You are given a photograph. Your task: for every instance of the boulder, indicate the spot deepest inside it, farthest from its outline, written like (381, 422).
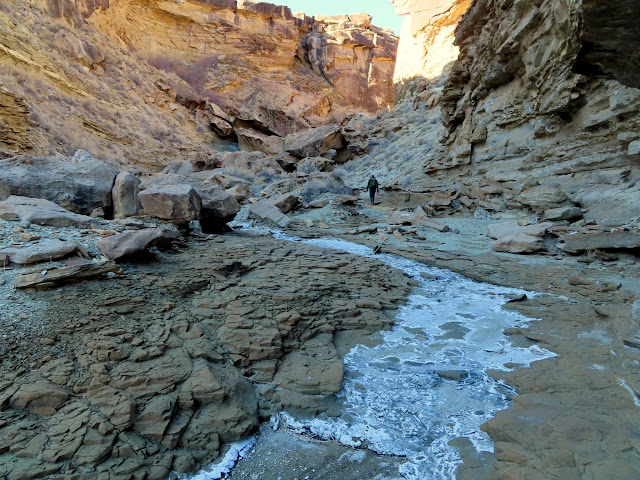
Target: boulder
(134, 242)
(42, 212)
(314, 141)
(563, 213)
(125, 195)
(265, 211)
(182, 198)
(45, 250)
(518, 242)
(178, 202)
(80, 184)
(253, 140)
(218, 206)
(500, 230)
(40, 397)
(286, 202)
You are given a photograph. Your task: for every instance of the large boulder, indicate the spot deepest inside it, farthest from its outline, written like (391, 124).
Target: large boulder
(178, 202)
(218, 206)
(42, 212)
(80, 184)
(135, 242)
(315, 141)
(182, 198)
(125, 195)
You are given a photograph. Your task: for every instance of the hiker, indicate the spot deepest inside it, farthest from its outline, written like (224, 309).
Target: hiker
(373, 188)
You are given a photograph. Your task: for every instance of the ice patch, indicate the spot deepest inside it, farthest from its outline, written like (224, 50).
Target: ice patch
(599, 334)
(397, 397)
(217, 470)
(354, 456)
(634, 394)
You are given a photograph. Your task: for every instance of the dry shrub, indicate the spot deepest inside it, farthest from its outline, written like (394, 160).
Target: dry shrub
(318, 186)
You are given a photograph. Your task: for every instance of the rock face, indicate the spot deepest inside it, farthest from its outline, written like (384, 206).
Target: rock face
(80, 184)
(551, 134)
(521, 129)
(251, 38)
(427, 39)
(357, 58)
(155, 372)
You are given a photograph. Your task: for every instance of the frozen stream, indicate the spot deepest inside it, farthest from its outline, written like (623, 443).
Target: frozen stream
(400, 397)
(427, 382)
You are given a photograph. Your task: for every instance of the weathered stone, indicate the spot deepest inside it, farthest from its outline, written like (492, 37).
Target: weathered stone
(125, 195)
(314, 142)
(518, 242)
(118, 406)
(45, 250)
(511, 227)
(266, 212)
(152, 377)
(563, 213)
(286, 202)
(40, 397)
(55, 275)
(601, 241)
(155, 417)
(80, 184)
(252, 140)
(42, 212)
(315, 370)
(635, 311)
(178, 202)
(135, 242)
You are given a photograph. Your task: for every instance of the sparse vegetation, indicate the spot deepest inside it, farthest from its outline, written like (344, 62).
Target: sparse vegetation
(316, 187)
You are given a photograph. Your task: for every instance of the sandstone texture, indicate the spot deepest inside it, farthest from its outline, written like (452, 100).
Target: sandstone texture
(181, 357)
(141, 84)
(513, 122)
(135, 242)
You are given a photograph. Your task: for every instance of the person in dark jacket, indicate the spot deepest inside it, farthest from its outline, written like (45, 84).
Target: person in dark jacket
(372, 186)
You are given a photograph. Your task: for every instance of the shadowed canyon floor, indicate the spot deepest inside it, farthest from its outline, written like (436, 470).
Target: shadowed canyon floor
(155, 370)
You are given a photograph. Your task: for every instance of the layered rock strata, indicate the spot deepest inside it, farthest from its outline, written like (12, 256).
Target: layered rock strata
(152, 373)
(512, 125)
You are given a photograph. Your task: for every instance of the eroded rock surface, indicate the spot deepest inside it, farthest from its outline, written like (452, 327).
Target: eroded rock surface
(155, 371)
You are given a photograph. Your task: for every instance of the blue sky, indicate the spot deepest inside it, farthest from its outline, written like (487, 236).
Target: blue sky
(381, 10)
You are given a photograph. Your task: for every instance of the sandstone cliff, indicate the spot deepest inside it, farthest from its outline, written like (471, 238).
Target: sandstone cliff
(538, 109)
(146, 81)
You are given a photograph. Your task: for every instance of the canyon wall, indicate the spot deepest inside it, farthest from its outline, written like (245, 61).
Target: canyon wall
(538, 110)
(253, 58)
(147, 81)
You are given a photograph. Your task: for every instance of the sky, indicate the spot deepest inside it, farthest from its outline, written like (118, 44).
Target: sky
(381, 10)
